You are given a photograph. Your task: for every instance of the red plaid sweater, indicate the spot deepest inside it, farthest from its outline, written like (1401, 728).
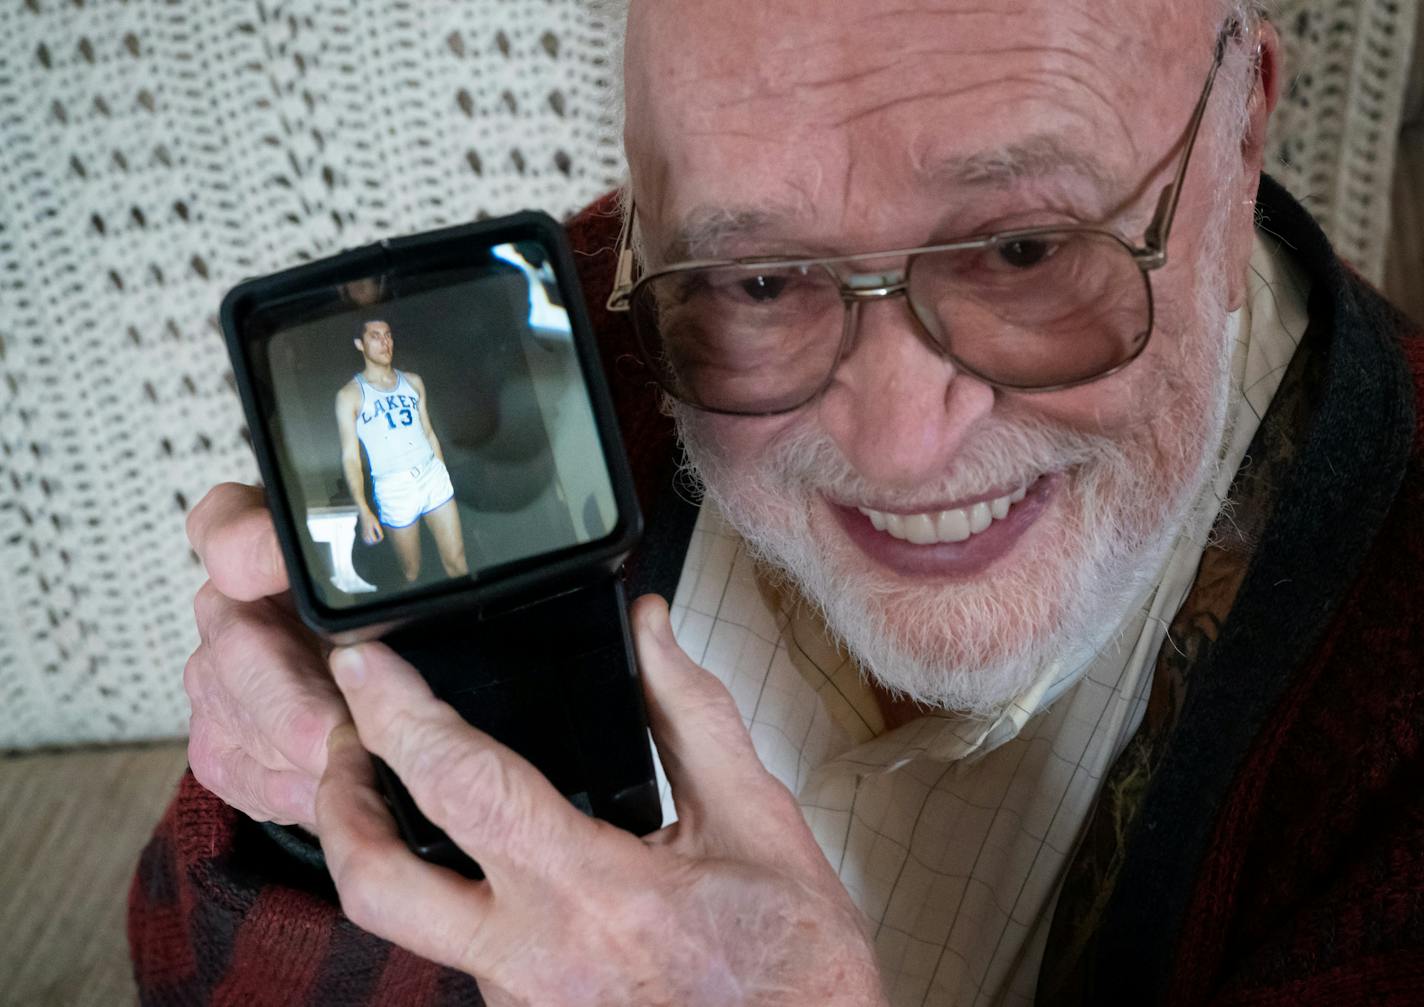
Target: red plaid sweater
(1278, 854)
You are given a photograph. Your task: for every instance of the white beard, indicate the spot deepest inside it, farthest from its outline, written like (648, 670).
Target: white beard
(972, 646)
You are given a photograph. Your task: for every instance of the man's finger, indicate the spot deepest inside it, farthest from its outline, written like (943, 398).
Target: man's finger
(496, 806)
(704, 746)
(263, 794)
(692, 714)
(232, 532)
(197, 676)
(385, 888)
(275, 678)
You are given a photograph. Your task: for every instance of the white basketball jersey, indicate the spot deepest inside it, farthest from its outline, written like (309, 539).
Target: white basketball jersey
(390, 429)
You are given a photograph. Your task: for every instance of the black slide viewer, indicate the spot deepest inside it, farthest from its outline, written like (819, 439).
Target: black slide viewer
(444, 471)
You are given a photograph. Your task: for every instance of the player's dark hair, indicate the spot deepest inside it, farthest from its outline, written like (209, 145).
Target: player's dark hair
(373, 321)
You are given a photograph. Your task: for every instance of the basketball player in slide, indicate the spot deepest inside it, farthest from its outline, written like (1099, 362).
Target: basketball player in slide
(383, 410)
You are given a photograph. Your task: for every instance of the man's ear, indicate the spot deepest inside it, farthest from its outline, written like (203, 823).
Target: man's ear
(1265, 92)
(359, 345)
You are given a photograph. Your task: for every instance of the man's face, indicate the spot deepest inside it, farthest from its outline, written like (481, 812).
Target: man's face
(831, 128)
(376, 344)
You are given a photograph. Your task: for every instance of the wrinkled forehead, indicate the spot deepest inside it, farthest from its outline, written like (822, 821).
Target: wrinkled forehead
(833, 114)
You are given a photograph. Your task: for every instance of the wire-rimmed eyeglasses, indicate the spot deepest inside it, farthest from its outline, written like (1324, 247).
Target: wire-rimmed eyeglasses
(1037, 309)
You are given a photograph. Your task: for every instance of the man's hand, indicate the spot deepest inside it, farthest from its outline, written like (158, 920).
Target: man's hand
(370, 526)
(733, 904)
(263, 701)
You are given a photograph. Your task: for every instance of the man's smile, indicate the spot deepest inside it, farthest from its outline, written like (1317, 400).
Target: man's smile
(956, 541)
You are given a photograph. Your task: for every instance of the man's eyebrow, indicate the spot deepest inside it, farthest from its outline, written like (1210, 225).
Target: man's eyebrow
(1038, 156)
(707, 231)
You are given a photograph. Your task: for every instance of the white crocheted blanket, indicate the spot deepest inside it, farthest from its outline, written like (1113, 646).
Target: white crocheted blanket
(155, 153)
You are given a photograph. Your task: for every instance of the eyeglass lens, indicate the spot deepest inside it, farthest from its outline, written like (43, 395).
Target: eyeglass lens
(1028, 311)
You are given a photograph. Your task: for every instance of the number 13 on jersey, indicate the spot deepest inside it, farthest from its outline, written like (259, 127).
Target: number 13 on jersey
(407, 418)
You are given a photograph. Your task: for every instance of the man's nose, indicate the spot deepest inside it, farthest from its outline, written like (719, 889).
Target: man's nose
(897, 406)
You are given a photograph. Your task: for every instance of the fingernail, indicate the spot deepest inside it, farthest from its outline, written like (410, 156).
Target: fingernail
(341, 736)
(348, 664)
(665, 632)
(662, 629)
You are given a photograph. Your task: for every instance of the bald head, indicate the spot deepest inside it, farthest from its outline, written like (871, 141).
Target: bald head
(813, 118)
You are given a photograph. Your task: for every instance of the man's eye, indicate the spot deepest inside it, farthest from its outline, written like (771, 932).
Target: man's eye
(1026, 252)
(763, 288)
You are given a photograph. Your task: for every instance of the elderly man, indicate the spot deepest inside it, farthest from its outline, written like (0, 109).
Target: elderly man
(1076, 660)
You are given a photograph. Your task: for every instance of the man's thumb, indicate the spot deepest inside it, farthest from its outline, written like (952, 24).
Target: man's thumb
(702, 741)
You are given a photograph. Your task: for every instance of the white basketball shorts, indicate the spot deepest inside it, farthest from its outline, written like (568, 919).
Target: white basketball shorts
(403, 498)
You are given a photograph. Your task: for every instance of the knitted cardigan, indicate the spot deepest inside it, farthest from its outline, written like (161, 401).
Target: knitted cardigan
(1278, 854)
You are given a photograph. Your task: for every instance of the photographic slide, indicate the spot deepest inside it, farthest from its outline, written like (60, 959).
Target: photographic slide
(435, 426)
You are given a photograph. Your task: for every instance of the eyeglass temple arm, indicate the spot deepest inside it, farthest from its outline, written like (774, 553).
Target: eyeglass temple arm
(1155, 242)
(623, 277)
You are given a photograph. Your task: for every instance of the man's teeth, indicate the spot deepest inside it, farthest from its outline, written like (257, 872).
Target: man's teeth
(946, 525)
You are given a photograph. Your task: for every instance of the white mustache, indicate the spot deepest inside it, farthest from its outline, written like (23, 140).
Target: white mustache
(1001, 453)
